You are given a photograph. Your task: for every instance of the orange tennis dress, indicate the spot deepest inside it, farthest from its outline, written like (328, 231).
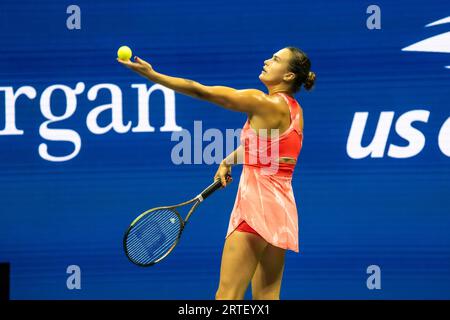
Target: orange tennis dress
(265, 199)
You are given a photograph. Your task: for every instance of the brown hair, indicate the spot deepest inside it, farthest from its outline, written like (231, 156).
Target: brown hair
(300, 65)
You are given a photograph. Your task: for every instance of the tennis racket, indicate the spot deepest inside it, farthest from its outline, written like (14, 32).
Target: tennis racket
(156, 232)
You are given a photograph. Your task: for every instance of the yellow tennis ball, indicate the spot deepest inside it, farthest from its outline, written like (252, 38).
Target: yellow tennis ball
(124, 53)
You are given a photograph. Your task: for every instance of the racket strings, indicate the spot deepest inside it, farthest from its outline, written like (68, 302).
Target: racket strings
(152, 236)
(151, 232)
(156, 246)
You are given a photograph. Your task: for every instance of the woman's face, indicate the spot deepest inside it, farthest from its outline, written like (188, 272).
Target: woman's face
(275, 68)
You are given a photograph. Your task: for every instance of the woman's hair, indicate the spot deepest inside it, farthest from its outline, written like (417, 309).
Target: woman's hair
(300, 65)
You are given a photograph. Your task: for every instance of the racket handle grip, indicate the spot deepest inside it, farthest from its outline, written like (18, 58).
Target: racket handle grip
(212, 188)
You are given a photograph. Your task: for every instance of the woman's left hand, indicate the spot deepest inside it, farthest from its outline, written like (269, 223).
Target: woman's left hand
(139, 66)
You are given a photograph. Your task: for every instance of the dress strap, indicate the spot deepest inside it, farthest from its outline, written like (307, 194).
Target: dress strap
(294, 112)
(288, 101)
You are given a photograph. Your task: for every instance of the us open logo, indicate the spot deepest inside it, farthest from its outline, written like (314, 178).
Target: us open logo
(439, 43)
(380, 147)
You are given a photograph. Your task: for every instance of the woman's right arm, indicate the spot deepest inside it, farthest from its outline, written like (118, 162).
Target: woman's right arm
(232, 159)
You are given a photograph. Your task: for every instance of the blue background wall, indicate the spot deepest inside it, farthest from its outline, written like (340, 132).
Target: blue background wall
(394, 213)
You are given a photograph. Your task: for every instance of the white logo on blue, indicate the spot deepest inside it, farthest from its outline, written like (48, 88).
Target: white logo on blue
(439, 43)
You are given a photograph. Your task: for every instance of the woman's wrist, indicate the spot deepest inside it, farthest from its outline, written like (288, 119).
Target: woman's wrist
(152, 75)
(226, 163)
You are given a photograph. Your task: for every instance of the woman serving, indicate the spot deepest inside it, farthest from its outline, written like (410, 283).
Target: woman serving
(264, 213)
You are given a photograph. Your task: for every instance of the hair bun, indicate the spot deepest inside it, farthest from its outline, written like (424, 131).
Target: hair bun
(309, 82)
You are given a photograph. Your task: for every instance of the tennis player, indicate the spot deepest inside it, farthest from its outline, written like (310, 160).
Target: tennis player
(264, 220)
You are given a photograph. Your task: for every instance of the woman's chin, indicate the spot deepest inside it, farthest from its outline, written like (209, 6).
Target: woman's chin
(262, 78)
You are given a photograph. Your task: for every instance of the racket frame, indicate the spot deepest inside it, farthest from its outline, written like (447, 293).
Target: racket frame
(198, 199)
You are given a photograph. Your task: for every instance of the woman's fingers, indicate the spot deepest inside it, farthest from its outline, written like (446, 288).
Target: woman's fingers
(224, 182)
(138, 60)
(221, 177)
(121, 61)
(127, 63)
(224, 175)
(144, 64)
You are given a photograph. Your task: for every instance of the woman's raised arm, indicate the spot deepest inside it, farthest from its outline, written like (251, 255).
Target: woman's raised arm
(251, 101)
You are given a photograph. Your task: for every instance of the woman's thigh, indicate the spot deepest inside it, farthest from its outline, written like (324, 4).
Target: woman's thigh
(266, 282)
(241, 254)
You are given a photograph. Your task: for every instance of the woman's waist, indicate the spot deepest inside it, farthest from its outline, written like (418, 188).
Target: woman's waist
(272, 169)
(270, 157)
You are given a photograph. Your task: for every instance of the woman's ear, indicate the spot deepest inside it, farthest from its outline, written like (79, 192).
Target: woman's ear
(289, 76)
